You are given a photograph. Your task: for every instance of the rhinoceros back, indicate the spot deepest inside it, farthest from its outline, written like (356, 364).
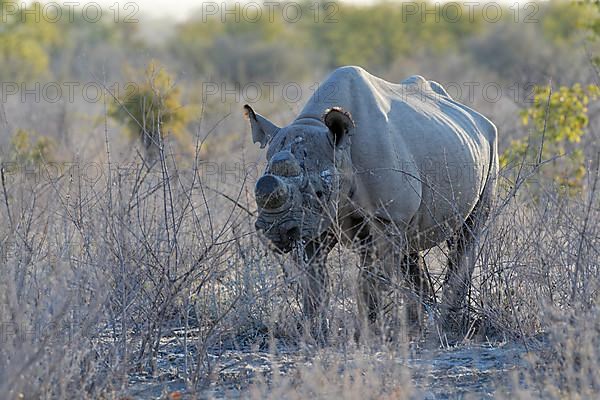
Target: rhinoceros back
(421, 159)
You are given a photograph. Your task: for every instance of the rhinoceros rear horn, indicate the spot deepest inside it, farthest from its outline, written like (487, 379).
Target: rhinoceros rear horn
(270, 192)
(339, 123)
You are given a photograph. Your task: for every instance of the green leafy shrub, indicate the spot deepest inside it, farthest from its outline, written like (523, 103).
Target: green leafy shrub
(30, 147)
(152, 108)
(558, 121)
(26, 41)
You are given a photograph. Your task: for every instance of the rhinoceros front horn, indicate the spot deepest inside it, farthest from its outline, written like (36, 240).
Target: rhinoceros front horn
(271, 192)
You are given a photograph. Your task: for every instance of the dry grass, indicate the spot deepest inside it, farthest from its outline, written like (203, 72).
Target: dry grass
(96, 275)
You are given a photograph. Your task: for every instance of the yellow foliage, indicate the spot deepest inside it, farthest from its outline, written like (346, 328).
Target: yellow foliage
(25, 41)
(153, 108)
(558, 121)
(30, 147)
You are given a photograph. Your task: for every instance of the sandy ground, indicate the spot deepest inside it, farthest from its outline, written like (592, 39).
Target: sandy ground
(465, 371)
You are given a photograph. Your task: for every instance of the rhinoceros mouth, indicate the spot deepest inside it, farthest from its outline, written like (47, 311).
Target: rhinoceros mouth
(284, 234)
(283, 248)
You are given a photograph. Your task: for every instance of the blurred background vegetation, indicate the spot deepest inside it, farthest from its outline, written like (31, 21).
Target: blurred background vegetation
(194, 75)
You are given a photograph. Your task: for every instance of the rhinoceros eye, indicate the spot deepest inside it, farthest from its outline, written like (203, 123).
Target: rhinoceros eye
(320, 189)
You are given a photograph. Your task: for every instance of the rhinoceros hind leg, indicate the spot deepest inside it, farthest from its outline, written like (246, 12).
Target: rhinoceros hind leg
(462, 254)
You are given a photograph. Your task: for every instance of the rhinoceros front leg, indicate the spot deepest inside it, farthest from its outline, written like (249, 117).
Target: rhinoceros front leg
(421, 291)
(381, 261)
(371, 280)
(377, 278)
(315, 285)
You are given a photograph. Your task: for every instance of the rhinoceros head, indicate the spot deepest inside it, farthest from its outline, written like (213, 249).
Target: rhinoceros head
(308, 162)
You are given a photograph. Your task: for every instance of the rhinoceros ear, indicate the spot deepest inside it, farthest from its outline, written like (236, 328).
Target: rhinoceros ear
(339, 123)
(262, 129)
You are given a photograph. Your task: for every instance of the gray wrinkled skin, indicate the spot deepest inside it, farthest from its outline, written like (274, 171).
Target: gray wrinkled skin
(314, 191)
(389, 169)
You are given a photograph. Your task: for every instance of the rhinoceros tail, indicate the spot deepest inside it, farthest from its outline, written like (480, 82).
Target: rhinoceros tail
(491, 183)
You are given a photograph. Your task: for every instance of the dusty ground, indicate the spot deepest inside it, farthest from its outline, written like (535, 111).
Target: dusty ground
(466, 371)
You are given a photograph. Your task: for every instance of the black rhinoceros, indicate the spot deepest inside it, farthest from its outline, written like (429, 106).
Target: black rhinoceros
(392, 169)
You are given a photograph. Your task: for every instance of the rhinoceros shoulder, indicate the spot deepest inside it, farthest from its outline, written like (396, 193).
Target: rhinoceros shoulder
(345, 78)
(350, 70)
